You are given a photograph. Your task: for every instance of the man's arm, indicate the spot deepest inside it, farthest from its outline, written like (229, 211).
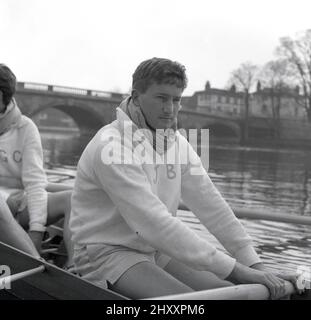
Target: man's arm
(35, 181)
(205, 201)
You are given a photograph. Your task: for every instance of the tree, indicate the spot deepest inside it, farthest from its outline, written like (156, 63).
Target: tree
(274, 77)
(244, 78)
(297, 53)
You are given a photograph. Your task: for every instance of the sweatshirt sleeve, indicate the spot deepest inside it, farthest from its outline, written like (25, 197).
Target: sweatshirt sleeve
(34, 178)
(205, 201)
(128, 187)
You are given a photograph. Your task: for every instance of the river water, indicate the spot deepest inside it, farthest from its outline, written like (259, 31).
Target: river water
(264, 179)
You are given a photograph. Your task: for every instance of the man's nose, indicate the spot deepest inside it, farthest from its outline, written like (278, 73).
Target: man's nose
(168, 107)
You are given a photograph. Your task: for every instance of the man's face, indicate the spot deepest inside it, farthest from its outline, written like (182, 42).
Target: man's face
(2, 106)
(160, 104)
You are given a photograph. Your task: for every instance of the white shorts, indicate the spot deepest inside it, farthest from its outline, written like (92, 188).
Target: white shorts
(102, 264)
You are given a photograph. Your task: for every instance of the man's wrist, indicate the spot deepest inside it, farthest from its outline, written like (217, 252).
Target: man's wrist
(37, 227)
(36, 234)
(259, 266)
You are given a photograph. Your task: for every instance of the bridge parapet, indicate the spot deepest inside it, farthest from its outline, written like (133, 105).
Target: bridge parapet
(41, 87)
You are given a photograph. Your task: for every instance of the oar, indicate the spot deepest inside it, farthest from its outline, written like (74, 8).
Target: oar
(239, 292)
(273, 216)
(56, 187)
(260, 215)
(59, 173)
(21, 275)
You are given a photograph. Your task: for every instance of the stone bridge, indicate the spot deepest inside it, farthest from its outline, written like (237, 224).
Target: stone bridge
(219, 126)
(90, 109)
(230, 127)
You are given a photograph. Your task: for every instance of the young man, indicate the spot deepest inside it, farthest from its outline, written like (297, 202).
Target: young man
(12, 233)
(123, 220)
(22, 177)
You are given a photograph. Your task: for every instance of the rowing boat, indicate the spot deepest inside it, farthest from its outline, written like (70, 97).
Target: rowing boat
(34, 279)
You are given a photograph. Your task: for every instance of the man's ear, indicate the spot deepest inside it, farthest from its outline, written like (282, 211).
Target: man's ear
(135, 97)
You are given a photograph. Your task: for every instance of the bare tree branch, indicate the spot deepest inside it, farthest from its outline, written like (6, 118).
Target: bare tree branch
(244, 78)
(297, 52)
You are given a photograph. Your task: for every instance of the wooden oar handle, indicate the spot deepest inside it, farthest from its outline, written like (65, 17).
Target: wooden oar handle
(239, 292)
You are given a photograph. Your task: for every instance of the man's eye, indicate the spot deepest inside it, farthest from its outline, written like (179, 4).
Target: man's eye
(176, 100)
(163, 99)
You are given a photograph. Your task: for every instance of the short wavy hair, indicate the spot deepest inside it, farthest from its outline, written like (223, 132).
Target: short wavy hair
(159, 71)
(7, 83)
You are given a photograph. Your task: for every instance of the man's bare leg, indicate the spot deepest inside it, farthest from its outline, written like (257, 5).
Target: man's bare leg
(147, 280)
(12, 233)
(197, 280)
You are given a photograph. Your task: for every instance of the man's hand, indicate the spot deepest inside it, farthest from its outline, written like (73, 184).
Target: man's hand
(259, 266)
(243, 274)
(285, 275)
(36, 237)
(291, 277)
(14, 201)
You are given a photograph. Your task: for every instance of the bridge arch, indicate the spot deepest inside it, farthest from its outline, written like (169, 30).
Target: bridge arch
(88, 120)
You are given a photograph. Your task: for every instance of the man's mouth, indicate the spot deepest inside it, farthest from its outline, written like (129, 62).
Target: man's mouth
(167, 118)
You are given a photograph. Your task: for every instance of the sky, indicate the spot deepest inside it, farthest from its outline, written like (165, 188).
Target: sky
(97, 44)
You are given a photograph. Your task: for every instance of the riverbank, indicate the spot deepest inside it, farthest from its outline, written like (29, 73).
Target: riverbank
(262, 144)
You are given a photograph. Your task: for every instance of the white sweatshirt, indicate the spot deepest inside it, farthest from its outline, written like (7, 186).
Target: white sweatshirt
(21, 169)
(135, 205)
